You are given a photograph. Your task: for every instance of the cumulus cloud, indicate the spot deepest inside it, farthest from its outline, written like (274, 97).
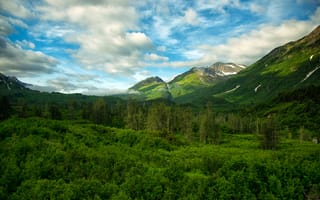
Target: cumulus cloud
(247, 48)
(18, 62)
(17, 8)
(191, 17)
(244, 48)
(141, 75)
(155, 58)
(107, 33)
(26, 44)
(5, 27)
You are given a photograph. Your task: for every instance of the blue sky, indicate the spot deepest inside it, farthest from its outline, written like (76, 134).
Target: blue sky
(105, 46)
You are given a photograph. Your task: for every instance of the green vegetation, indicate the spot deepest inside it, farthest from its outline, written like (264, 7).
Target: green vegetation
(150, 89)
(49, 159)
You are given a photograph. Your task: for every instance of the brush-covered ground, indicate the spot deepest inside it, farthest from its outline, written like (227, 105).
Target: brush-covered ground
(49, 159)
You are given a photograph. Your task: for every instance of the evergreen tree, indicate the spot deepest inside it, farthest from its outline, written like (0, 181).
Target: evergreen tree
(209, 131)
(186, 123)
(55, 112)
(133, 116)
(86, 110)
(72, 108)
(5, 108)
(159, 118)
(100, 114)
(268, 133)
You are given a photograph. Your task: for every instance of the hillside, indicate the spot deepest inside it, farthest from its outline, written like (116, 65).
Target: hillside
(291, 66)
(151, 88)
(178, 89)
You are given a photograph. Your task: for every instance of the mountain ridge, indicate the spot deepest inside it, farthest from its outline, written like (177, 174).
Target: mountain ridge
(185, 83)
(12, 82)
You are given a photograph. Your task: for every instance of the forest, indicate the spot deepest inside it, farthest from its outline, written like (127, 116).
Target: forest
(110, 148)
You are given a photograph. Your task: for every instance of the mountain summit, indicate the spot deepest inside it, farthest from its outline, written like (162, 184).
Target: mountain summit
(151, 88)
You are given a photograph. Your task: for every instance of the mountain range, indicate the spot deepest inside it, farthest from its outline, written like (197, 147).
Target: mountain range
(186, 83)
(291, 66)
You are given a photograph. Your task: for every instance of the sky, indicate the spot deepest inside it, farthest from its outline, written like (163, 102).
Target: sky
(102, 47)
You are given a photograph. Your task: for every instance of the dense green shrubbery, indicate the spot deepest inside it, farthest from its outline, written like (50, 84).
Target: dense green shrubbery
(48, 159)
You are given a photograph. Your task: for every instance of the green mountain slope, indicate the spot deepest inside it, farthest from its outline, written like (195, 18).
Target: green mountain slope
(291, 66)
(190, 82)
(197, 80)
(151, 88)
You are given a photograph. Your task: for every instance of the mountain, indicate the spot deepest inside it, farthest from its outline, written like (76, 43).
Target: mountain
(199, 78)
(289, 67)
(8, 83)
(286, 68)
(186, 83)
(151, 88)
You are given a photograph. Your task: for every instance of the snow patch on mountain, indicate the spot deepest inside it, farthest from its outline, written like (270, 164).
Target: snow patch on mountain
(242, 66)
(309, 74)
(233, 89)
(228, 73)
(228, 65)
(256, 89)
(311, 57)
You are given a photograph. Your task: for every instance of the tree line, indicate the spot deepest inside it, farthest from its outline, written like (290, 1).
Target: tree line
(162, 117)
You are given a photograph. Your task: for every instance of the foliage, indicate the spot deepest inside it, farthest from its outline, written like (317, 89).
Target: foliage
(54, 159)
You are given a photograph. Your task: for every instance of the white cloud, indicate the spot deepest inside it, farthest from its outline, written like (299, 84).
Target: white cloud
(18, 62)
(16, 7)
(107, 33)
(249, 47)
(141, 75)
(5, 27)
(26, 44)
(217, 5)
(193, 54)
(257, 8)
(162, 48)
(6, 24)
(191, 17)
(155, 58)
